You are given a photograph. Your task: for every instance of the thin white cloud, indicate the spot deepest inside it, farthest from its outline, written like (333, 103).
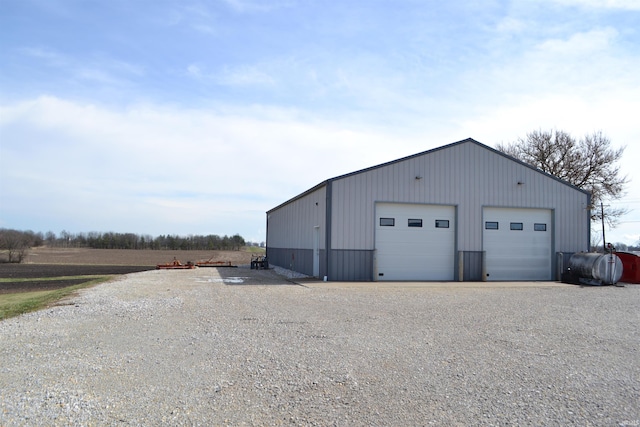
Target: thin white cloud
(601, 4)
(200, 17)
(42, 53)
(237, 76)
(193, 70)
(96, 68)
(244, 76)
(248, 6)
(583, 43)
(205, 29)
(580, 64)
(182, 13)
(96, 75)
(197, 9)
(510, 25)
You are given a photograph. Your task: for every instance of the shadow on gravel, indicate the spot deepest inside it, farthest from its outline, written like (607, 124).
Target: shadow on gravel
(244, 276)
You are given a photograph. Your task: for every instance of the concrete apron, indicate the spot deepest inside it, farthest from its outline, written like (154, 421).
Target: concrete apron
(430, 285)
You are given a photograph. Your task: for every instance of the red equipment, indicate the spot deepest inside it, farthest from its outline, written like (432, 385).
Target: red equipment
(630, 267)
(175, 265)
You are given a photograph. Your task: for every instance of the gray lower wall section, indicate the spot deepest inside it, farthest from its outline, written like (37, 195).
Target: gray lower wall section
(351, 265)
(471, 266)
(357, 265)
(300, 260)
(345, 265)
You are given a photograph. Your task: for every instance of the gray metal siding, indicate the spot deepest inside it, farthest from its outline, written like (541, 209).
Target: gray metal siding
(467, 175)
(472, 262)
(345, 265)
(292, 225)
(300, 260)
(351, 265)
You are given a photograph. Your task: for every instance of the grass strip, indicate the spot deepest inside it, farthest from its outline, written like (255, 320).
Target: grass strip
(44, 279)
(256, 250)
(12, 305)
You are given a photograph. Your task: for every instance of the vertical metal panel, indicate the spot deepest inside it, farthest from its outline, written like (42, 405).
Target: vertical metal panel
(467, 175)
(351, 266)
(300, 260)
(292, 225)
(471, 266)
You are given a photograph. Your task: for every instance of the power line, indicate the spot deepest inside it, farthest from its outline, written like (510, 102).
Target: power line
(624, 202)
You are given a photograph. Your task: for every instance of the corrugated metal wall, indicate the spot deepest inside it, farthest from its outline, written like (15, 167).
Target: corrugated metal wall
(467, 175)
(291, 232)
(351, 265)
(300, 260)
(472, 266)
(292, 225)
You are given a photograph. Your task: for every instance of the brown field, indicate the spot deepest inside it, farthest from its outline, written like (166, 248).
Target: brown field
(83, 256)
(61, 266)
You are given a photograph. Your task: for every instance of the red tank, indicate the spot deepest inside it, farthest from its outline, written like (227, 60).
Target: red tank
(630, 267)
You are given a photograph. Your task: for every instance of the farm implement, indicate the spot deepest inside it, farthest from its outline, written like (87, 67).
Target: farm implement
(211, 263)
(175, 265)
(259, 262)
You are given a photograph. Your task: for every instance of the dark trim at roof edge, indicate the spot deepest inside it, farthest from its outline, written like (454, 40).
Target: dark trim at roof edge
(311, 190)
(300, 196)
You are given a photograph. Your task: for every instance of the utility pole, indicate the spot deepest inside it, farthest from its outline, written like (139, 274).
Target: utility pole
(604, 240)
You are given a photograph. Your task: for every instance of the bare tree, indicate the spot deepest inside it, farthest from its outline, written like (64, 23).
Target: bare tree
(15, 243)
(589, 163)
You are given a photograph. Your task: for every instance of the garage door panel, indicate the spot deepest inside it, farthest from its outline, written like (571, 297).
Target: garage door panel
(415, 253)
(518, 254)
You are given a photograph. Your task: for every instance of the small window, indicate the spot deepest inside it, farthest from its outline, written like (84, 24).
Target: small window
(387, 222)
(442, 223)
(415, 223)
(540, 227)
(516, 226)
(491, 225)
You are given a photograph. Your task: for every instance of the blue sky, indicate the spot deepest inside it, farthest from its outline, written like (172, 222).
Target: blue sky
(182, 117)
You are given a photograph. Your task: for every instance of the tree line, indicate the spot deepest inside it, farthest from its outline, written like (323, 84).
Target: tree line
(15, 243)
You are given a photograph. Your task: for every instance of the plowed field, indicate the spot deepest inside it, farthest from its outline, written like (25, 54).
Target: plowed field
(60, 267)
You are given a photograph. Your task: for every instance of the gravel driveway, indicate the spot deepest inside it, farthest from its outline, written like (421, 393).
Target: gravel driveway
(243, 347)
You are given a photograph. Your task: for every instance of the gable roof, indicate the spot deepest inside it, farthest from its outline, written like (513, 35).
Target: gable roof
(444, 147)
(433, 150)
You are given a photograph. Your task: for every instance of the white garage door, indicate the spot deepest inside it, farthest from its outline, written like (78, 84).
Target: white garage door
(415, 242)
(517, 243)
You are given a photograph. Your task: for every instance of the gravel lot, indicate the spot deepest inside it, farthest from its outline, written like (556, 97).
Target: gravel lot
(243, 347)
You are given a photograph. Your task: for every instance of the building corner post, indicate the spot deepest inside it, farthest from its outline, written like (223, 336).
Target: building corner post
(327, 231)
